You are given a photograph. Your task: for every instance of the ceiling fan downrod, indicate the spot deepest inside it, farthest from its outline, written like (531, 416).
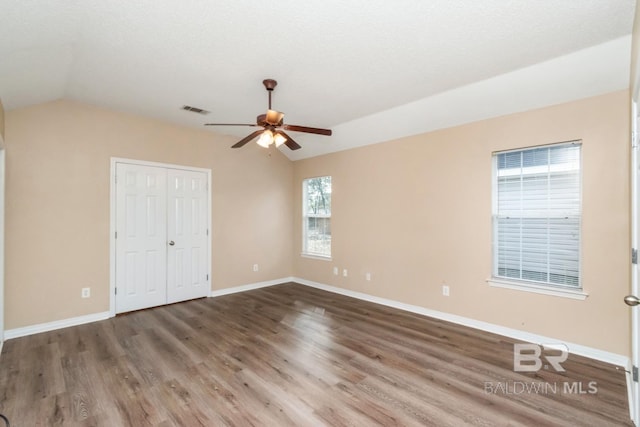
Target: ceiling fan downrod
(269, 84)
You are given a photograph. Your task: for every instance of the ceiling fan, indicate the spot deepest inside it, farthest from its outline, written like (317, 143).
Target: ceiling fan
(273, 128)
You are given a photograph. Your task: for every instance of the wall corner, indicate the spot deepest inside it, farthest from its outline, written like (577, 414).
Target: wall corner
(1, 125)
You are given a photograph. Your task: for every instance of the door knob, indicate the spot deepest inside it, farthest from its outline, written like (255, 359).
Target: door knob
(631, 300)
(171, 243)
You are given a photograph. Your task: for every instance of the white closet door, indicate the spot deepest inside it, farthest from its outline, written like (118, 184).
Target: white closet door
(141, 242)
(187, 230)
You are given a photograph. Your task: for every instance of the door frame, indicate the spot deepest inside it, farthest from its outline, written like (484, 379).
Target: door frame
(2, 251)
(634, 361)
(112, 219)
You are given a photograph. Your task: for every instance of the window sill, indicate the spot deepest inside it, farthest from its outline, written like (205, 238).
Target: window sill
(312, 256)
(538, 289)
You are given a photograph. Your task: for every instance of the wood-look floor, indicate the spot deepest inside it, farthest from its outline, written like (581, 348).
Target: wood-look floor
(290, 355)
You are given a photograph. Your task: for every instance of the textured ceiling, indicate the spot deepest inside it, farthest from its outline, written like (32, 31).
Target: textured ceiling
(371, 70)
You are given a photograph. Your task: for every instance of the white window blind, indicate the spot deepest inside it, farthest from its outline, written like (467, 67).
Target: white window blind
(316, 212)
(537, 213)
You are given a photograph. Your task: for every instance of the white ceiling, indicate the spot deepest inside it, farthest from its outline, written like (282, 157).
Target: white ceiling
(370, 70)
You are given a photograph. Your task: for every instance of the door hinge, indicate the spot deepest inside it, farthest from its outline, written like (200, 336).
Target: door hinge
(207, 231)
(116, 233)
(634, 373)
(634, 256)
(116, 291)
(634, 139)
(207, 277)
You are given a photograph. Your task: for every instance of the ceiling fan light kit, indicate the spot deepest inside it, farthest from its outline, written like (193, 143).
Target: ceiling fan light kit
(279, 139)
(272, 122)
(265, 139)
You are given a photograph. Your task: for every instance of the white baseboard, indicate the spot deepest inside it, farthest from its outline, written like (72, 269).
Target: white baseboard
(80, 320)
(57, 324)
(593, 353)
(581, 350)
(249, 287)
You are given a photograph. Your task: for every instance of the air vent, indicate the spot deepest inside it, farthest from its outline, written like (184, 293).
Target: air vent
(195, 109)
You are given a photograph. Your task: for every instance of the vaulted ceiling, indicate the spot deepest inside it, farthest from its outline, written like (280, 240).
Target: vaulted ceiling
(371, 70)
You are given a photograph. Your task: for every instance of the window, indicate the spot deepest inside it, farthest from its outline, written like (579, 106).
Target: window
(316, 212)
(536, 216)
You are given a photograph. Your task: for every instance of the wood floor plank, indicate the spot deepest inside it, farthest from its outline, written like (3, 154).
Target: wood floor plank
(291, 355)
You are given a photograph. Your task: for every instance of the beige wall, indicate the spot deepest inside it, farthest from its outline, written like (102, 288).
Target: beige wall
(635, 53)
(57, 204)
(416, 213)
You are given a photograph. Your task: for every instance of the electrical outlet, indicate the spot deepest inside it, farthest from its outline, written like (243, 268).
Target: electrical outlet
(344, 273)
(368, 277)
(445, 290)
(86, 292)
(335, 271)
(256, 267)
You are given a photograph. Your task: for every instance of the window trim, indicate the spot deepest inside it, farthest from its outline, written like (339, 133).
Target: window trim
(538, 288)
(316, 256)
(545, 288)
(303, 252)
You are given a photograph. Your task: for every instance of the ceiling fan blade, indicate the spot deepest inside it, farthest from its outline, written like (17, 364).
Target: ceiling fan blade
(290, 142)
(246, 139)
(306, 129)
(274, 117)
(229, 124)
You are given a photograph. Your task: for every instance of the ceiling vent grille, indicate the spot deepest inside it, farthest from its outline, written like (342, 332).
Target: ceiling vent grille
(195, 109)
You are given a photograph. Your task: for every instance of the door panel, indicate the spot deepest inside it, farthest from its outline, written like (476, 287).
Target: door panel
(187, 228)
(141, 237)
(635, 286)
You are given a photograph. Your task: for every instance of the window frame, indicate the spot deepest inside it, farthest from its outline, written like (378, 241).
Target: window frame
(546, 288)
(305, 252)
